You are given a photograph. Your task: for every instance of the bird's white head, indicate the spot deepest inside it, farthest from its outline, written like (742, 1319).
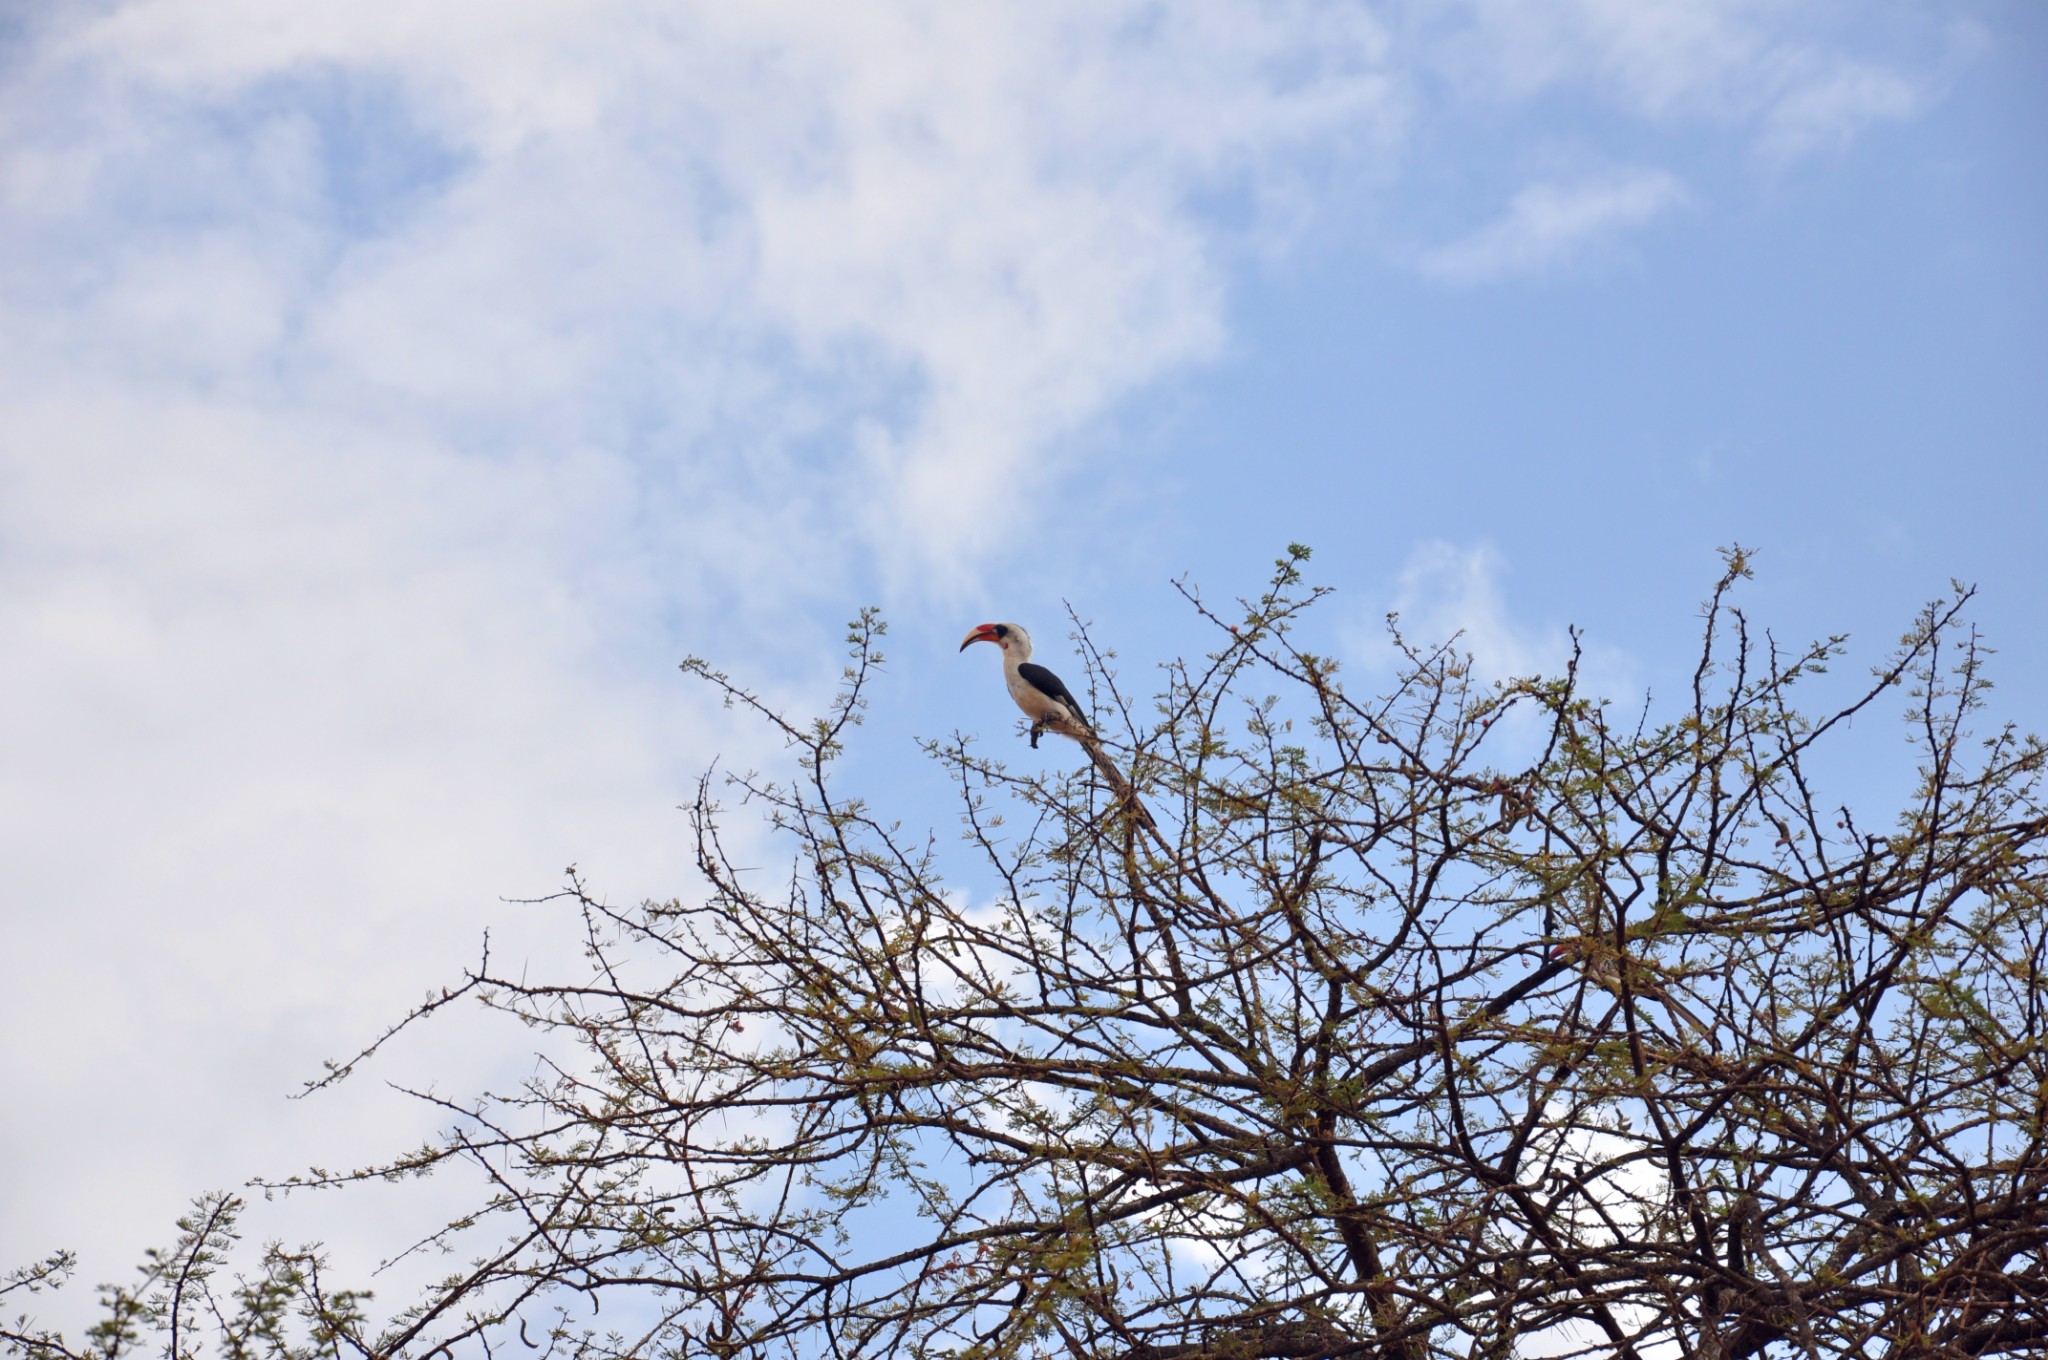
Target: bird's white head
(1011, 637)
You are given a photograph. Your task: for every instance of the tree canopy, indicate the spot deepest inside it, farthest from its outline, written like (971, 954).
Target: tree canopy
(1460, 1019)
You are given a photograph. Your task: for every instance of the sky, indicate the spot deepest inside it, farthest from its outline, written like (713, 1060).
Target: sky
(392, 394)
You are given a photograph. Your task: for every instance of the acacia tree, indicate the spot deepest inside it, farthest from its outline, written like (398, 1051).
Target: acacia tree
(1367, 1041)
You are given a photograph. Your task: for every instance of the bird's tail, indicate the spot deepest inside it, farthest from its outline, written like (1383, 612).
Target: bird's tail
(1126, 796)
(1687, 1017)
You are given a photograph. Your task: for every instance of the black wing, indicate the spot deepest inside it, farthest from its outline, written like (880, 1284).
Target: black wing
(1050, 685)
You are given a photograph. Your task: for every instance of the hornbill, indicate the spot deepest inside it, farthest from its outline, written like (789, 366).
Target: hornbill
(1049, 704)
(1040, 693)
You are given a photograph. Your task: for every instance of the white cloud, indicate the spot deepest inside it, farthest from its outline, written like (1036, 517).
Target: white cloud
(1776, 73)
(1446, 592)
(971, 225)
(1655, 54)
(1828, 111)
(281, 725)
(1457, 596)
(1547, 225)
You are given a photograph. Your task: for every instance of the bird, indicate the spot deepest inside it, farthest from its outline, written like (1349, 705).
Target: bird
(1597, 961)
(1052, 707)
(1043, 696)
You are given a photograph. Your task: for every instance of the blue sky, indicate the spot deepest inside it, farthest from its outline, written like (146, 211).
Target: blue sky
(394, 392)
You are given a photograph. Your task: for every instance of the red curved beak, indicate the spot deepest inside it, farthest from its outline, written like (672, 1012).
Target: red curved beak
(983, 632)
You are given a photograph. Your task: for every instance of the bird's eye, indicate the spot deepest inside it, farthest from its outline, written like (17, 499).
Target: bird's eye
(1002, 630)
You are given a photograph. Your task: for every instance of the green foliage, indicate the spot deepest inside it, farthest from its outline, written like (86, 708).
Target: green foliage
(175, 1308)
(1446, 1021)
